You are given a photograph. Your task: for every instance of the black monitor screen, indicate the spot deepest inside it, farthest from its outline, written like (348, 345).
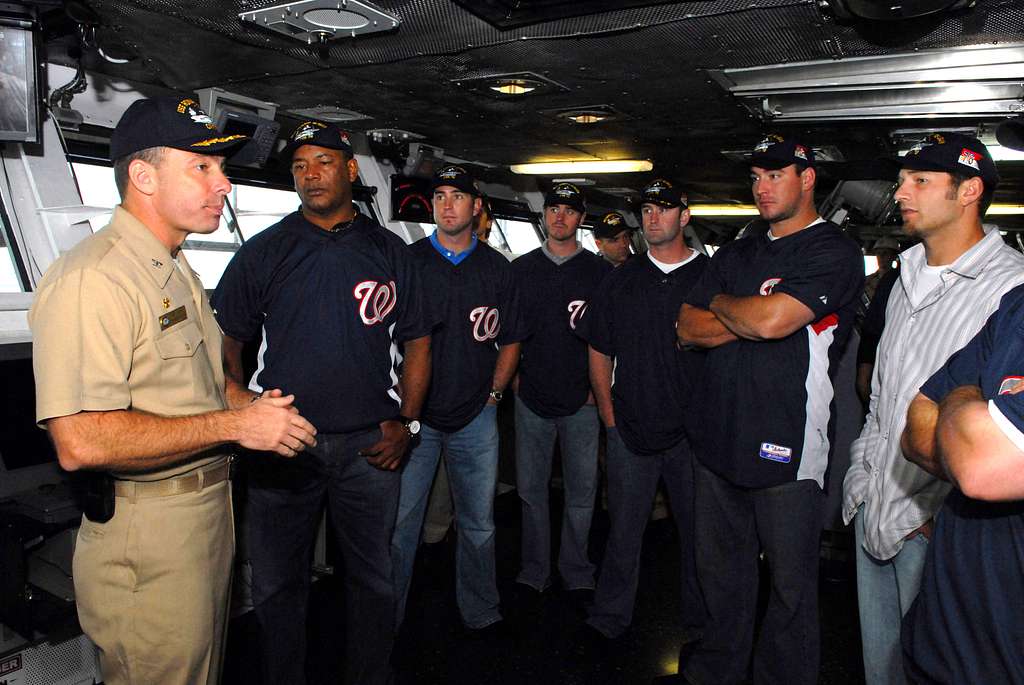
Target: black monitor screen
(22, 443)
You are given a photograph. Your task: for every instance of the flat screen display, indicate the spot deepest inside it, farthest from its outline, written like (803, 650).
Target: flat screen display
(22, 443)
(19, 107)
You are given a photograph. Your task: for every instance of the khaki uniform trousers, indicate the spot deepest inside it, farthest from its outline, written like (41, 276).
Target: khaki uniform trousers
(152, 586)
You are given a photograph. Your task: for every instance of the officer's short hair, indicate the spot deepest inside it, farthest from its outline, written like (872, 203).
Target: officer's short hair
(150, 155)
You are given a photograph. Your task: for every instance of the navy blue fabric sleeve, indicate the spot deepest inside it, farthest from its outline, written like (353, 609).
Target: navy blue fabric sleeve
(1012, 407)
(829, 271)
(712, 281)
(513, 326)
(597, 326)
(415, 317)
(523, 274)
(965, 366)
(874, 320)
(238, 299)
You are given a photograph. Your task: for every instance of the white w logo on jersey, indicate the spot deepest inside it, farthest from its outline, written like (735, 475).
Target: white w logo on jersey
(576, 309)
(485, 323)
(376, 300)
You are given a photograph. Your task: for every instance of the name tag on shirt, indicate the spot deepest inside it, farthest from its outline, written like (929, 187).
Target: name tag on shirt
(172, 317)
(776, 452)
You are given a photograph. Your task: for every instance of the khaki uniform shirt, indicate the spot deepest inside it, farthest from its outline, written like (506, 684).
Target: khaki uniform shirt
(116, 324)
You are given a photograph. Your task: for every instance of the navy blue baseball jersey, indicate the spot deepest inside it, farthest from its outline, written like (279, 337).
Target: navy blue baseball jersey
(477, 303)
(331, 309)
(967, 624)
(632, 318)
(553, 371)
(767, 410)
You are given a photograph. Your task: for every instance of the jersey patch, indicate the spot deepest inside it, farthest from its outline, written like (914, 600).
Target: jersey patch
(376, 300)
(485, 323)
(777, 453)
(769, 285)
(576, 309)
(1009, 383)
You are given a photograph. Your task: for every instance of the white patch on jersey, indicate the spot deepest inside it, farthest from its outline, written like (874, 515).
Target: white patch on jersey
(485, 323)
(376, 300)
(576, 310)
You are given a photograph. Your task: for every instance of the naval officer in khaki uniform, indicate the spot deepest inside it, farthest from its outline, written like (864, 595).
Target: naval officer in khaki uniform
(130, 385)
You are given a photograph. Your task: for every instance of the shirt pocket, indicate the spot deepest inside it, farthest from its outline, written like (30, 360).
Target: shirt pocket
(179, 341)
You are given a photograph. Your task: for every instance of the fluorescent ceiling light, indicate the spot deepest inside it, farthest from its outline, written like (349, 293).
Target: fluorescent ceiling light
(1004, 210)
(998, 153)
(617, 166)
(723, 210)
(967, 81)
(1001, 153)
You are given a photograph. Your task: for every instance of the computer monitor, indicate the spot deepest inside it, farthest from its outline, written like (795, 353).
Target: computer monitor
(19, 83)
(26, 454)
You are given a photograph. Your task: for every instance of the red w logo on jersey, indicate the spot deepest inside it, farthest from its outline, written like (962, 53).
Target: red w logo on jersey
(485, 323)
(376, 300)
(576, 309)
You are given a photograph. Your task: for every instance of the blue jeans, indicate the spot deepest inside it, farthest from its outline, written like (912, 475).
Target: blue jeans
(733, 525)
(471, 454)
(283, 505)
(885, 591)
(632, 482)
(535, 443)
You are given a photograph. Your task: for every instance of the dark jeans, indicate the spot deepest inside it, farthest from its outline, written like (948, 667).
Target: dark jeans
(285, 502)
(632, 482)
(733, 525)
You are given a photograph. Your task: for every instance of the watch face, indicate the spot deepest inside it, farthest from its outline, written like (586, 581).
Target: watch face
(413, 426)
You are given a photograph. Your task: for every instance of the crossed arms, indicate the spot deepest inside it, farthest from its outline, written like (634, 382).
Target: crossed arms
(729, 318)
(958, 440)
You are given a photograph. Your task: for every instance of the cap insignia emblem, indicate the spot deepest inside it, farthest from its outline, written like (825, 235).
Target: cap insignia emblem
(969, 158)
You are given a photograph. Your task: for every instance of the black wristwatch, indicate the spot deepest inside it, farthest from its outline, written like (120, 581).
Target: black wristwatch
(496, 395)
(412, 426)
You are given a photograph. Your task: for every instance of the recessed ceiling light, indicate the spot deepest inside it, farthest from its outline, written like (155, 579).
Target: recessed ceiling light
(318, 21)
(585, 167)
(514, 85)
(517, 87)
(329, 113)
(585, 114)
(585, 118)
